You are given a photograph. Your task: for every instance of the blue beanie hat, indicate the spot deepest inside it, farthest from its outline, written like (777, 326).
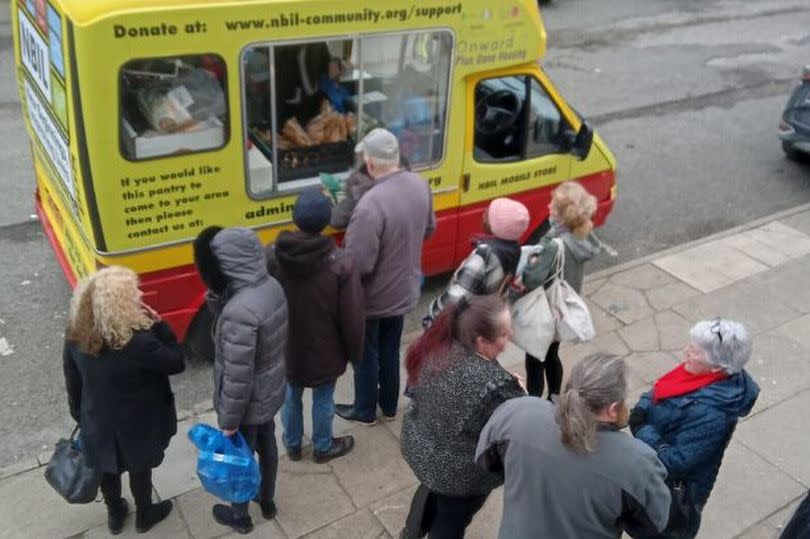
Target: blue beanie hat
(312, 211)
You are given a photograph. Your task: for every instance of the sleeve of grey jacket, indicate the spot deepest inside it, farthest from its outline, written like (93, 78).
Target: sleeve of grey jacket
(494, 440)
(645, 501)
(537, 273)
(363, 238)
(238, 333)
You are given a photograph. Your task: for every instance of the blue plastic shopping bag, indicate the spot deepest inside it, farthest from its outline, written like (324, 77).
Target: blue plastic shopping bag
(225, 465)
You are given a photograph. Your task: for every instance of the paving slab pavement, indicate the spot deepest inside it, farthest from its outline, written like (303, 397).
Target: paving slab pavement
(642, 311)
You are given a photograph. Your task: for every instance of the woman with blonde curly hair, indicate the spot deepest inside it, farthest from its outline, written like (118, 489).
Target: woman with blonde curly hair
(117, 358)
(571, 213)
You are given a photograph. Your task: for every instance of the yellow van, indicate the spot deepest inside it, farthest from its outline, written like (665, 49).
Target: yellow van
(152, 119)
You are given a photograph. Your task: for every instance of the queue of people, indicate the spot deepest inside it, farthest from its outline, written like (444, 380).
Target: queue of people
(293, 315)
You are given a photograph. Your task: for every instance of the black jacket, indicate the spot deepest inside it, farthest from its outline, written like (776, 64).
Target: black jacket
(122, 399)
(325, 304)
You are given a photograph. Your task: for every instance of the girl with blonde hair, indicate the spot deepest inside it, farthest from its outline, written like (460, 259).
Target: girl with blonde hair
(117, 359)
(571, 212)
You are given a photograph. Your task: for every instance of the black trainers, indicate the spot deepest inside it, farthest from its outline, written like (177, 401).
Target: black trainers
(117, 515)
(146, 517)
(347, 412)
(340, 446)
(269, 510)
(223, 514)
(294, 454)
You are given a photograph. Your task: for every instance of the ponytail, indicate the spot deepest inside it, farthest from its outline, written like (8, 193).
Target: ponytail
(595, 383)
(577, 424)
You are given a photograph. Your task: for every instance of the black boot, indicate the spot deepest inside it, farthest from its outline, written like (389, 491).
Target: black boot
(116, 515)
(340, 446)
(225, 516)
(148, 516)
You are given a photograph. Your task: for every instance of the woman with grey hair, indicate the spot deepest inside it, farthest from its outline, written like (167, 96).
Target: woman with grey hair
(569, 470)
(690, 414)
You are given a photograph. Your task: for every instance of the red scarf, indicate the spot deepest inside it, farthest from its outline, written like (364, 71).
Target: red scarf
(680, 382)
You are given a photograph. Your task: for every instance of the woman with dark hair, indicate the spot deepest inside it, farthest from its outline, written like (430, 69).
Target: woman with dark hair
(455, 383)
(117, 358)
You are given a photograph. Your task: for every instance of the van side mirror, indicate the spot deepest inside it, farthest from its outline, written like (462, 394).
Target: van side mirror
(583, 140)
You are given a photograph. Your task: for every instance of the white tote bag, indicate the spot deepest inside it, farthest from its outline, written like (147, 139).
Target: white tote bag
(570, 312)
(533, 324)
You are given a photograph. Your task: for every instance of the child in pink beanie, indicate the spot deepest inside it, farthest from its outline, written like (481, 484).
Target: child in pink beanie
(491, 266)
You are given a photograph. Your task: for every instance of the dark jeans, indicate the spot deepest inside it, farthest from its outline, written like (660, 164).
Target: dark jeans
(552, 367)
(262, 439)
(440, 516)
(140, 484)
(376, 378)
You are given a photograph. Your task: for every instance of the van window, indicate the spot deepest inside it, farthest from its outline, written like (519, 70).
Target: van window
(515, 119)
(172, 105)
(306, 105)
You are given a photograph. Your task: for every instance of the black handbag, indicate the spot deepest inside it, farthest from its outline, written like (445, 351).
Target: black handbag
(684, 517)
(68, 473)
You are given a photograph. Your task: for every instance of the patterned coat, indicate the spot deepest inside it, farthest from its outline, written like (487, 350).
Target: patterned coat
(447, 412)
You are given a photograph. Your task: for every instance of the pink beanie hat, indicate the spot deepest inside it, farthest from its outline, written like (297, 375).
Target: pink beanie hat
(508, 219)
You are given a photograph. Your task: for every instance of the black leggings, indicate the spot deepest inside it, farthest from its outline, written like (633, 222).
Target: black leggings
(140, 483)
(552, 367)
(439, 516)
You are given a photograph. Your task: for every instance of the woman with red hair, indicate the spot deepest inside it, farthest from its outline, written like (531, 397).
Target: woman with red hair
(455, 383)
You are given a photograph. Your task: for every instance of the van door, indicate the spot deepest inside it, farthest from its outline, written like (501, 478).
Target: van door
(517, 145)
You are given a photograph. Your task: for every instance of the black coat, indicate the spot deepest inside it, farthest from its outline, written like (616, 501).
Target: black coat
(122, 399)
(325, 305)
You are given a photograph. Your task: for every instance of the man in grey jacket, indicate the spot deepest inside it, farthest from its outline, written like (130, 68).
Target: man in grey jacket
(385, 236)
(568, 470)
(250, 338)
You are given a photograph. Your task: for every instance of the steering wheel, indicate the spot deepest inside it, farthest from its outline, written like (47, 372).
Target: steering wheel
(497, 113)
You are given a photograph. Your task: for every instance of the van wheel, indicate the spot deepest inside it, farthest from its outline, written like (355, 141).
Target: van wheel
(538, 233)
(199, 346)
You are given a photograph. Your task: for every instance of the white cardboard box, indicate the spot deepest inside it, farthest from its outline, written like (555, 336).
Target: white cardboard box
(153, 144)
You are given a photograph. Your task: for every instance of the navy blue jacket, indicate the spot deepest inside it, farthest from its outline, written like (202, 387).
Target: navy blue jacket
(690, 432)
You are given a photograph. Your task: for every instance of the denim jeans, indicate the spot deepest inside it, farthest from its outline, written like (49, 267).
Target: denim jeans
(376, 378)
(323, 411)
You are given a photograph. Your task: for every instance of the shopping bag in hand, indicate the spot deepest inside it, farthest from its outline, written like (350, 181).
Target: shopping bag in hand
(573, 318)
(225, 464)
(68, 473)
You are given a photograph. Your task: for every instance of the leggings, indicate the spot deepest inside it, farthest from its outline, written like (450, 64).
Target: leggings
(140, 483)
(552, 367)
(439, 516)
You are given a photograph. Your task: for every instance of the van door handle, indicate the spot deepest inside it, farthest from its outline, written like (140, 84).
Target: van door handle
(465, 182)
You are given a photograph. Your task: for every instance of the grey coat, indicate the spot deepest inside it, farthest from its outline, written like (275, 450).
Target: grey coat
(550, 491)
(250, 333)
(446, 414)
(385, 238)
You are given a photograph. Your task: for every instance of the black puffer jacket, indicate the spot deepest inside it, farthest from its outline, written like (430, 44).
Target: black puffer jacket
(250, 333)
(325, 301)
(447, 412)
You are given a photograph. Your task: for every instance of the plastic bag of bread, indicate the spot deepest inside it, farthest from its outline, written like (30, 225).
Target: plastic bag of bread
(283, 143)
(351, 122)
(293, 131)
(315, 129)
